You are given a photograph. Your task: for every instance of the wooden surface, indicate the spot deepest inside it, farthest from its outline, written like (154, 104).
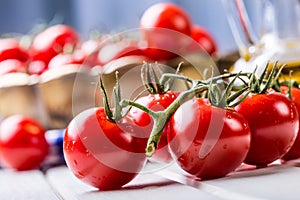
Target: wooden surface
(274, 182)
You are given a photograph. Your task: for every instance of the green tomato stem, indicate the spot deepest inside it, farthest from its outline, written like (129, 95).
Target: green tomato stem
(161, 118)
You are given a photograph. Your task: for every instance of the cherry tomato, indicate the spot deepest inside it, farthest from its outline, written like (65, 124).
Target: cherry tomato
(102, 153)
(90, 49)
(294, 152)
(204, 38)
(77, 57)
(274, 124)
(53, 40)
(207, 141)
(12, 65)
(155, 102)
(23, 145)
(115, 50)
(161, 25)
(10, 49)
(36, 67)
(166, 15)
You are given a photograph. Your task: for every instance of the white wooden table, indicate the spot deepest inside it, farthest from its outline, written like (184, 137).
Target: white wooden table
(274, 182)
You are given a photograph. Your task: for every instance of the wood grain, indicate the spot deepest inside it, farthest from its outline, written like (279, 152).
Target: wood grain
(25, 185)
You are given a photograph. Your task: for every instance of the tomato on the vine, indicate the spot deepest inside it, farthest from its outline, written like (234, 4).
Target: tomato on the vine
(161, 25)
(274, 124)
(207, 141)
(53, 40)
(23, 145)
(102, 153)
(294, 152)
(155, 102)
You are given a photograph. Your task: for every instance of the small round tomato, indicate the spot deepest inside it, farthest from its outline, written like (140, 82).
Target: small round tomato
(115, 50)
(102, 153)
(12, 65)
(155, 102)
(161, 25)
(11, 49)
(166, 15)
(23, 145)
(204, 38)
(274, 124)
(207, 141)
(36, 67)
(294, 152)
(77, 57)
(53, 40)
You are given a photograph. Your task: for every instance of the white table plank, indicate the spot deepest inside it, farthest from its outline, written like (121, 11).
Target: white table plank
(29, 185)
(145, 186)
(276, 182)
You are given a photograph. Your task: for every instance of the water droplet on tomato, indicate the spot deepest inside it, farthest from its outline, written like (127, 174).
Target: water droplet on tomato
(79, 175)
(72, 145)
(87, 153)
(75, 163)
(180, 159)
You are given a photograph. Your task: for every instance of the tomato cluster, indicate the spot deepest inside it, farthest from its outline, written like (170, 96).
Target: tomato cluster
(163, 23)
(209, 132)
(208, 137)
(60, 44)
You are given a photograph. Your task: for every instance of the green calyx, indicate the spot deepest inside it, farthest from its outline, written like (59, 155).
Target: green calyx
(267, 80)
(224, 94)
(149, 75)
(117, 114)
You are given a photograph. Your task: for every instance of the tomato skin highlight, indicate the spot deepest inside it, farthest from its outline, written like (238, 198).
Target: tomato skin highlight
(101, 153)
(274, 124)
(294, 152)
(155, 102)
(23, 145)
(12, 65)
(206, 141)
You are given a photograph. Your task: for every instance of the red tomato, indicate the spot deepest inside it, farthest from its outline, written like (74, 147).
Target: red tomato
(102, 153)
(52, 41)
(10, 49)
(294, 152)
(115, 50)
(90, 49)
(36, 67)
(164, 26)
(166, 15)
(12, 65)
(156, 102)
(207, 141)
(204, 38)
(23, 145)
(77, 57)
(274, 124)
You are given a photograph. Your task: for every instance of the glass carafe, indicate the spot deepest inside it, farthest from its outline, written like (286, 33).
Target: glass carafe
(277, 35)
